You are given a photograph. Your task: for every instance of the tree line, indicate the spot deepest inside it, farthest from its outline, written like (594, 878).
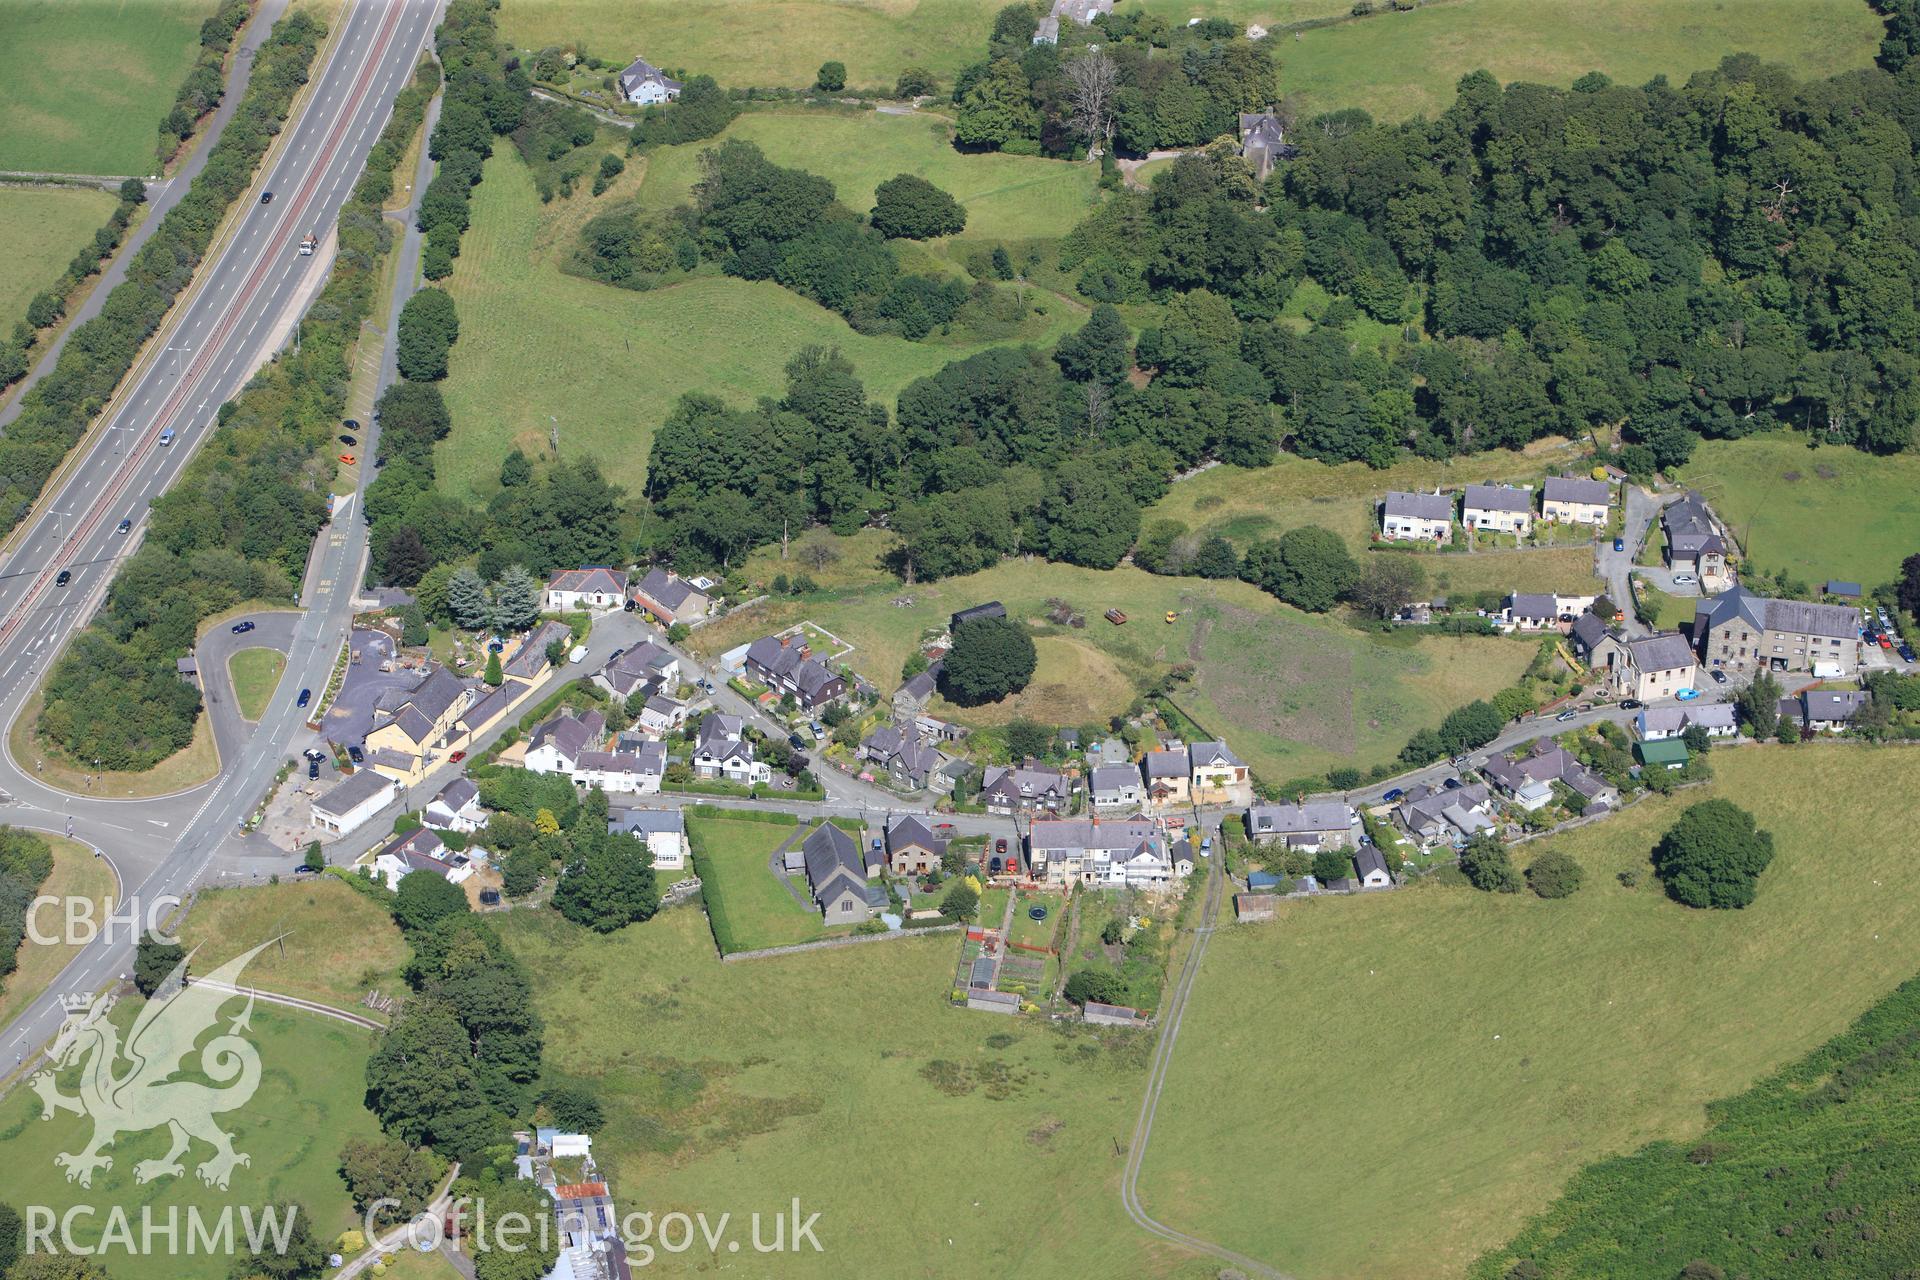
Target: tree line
(25, 864)
(48, 307)
(206, 82)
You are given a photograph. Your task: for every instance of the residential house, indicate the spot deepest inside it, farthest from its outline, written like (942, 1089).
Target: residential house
(1740, 631)
(634, 766)
(1371, 868)
(456, 808)
(1118, 787)
(1825, 710)
(1527, 779)
(1573, 500)
(911, 698)
(1694, 541)
(557, 744)
(909, 763)
(1025, 788)
(1656, 666)
(529, 660)
(991, 609)
(421, 850)
(409, 723)
(912, 847)
(596, 589)
(1080, 12)
(1655, 723)
(1169, 775)
(644, 84)
(1435, 814)
(1309, 827)
(1416, 517)
(1219, 776)
(484, 710)
(836, 874)
(347, 806)
(670, 598)
(664, 831)
(1263, 141)
(721, 750)
(1530, 611)
(661, 715)
(645, 666)
(1597, 646)
(783, 664)
(1130, 852)
(1498, 508)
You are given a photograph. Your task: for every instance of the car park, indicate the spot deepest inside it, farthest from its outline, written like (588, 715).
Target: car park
(306, 696)
(349, 441)
(241, 628)
(66, 576)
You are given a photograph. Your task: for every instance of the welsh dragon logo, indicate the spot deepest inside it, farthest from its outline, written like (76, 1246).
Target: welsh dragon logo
(131, 1089)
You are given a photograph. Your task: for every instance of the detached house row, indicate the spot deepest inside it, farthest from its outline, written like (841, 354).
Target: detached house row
(574, 745)
(1527, 780)
(1494, 508)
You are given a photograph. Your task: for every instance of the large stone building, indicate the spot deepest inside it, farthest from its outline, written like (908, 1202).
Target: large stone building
(1742, 632)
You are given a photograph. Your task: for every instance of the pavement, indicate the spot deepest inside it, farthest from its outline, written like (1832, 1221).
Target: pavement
(168, 845)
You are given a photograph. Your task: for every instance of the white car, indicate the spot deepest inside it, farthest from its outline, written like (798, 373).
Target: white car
(1684, 579)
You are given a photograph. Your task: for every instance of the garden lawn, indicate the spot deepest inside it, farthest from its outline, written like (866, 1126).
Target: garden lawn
(540, 349)
(84, 84)
(750, 907)
(308, 1105)
(1006, 197)
(77, 873)
(1401, 64)
(1818, 514)
(1507, 1041)
(255, 673)
(336, 945)
(732, 1087)
(41, 228)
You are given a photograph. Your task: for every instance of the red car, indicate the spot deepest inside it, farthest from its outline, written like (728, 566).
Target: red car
(457, 757)
(1886, 642)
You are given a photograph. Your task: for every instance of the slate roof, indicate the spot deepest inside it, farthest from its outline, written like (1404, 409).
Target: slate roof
(833, 858)
(569, 734)
(991, 609)
(1498, 497)
(588, 580)
(666, 589)
(1532, 605)
(1115, 777)
(1168, 764)
(638, 73)
(530, 659)
(457, 794)
(354, 791)
(906, 829)
(1298, 819)
(1214, 754)
(437, 692)
(416, 726)
(647, 822)
(1796, 617)
(1839, 588)
(1660, 652)
(1689, 527)
(1423, 805)
(1573, 489)
(1084, 833)
(1367, 859)
(1589, 630)
(1419, 506)
(1834, 704)
(785, 663)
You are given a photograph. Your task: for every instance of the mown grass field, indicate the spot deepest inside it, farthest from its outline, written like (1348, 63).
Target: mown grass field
(84, 84)
(255, 673)
(1398, 65)
(1816, 513)
(1484, 1048)
(308, 1105)
(337, 943)
(749, 907)
(77, 873)
(540, 349)
(41, 228)
(1006, 197)
(730, 1087)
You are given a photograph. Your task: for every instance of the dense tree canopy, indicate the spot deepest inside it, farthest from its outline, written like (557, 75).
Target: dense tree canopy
(1713, 856)
(990, 659)
(910, 207)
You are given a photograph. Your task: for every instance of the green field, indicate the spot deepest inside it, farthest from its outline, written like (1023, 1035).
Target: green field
(1398, 65)
(77, 873)
(338, 943)
(308, 1105)
(1484, 1048)
(84, 84)
(41, 228)
(1006, 197)
(749, 907)
(540, 349)
(255, 674)
(735, 1087)
(1816, 513)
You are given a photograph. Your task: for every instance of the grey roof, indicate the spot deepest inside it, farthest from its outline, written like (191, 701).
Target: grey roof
(1261, 129)
(1115, 777)
(1290, 819)
(1168, 764)
(667, 589)
(906, 829)
(647, 821)
(1662, 652)
(356, 790)
(568, 733)
(1419, 506)
(1214, 753)
(456, 794)
(919, 687)
(589, 579)
(415, 725)
(639, 72)
(831, 854)
(1589, 629)
(784, 662)
(719, 727)
(1687, 516)
(437, 692)
(1836, 587)
(1796, 617)
(1424, 805)
(1498, 497)
(1084, 833)
(1367, 859)
(530, 659)
(1024, 780)
(1573, 489)
(991, 609)
(1533, 605)
(488, 707)
(1834, 704)
(1664, 719)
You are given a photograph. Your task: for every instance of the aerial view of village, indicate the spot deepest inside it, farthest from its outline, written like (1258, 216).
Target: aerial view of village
(1184, 639)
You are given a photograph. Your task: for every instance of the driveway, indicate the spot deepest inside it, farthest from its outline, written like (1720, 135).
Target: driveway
(1614, 567)
(350, 718)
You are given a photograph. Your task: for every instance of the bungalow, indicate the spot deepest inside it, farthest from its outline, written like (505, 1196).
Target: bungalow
(910, 763)
(558, 743)
(634, 767)
(1416, 517)
(1219, 776)
(1169, 775)
(783, 664)
(1024, 788)
(645, 666)
(1499, 508)
(912, 847)
(1825, 710)
(1527, 779)
(421, 850)
(721, 750)
(836, 875)
(644, 84)
(1118, 787)
(1309, 827)
(1666, 753)
(346, 807)
(595, 588)
(1527, 611)
(661, 715)
(1371, 868)
(1694, 542)
(1572, 500)
(1434, 814)
(529, 658)
(456, 808)
(670, 598)
(664, 831)
(1131, 853)
(1657, 666)
(1655, 723)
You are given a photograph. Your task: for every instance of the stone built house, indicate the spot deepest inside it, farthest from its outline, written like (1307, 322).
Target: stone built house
(644, 84)
(1743, 632)
(1309, 827)
(595, 588)
(1694, 542)
(670, 598)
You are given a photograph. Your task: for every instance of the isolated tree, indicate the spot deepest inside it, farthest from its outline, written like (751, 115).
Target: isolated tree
(429, 327)
(1215, 558)
(1099, 986)
(611, 886)
(1554, 874)
(1487, 865)
(1027, 737)
(295, 1256)
(909, 207)
(1308, 567)
(960, 901)
(425, 898)
(1713, 856)
(387, 1169)
(413, 625)
(1474, 725)
(1388, 584)
(832, 76)
(914, 82)
(133, 191)
(153, 961)
(1092, 82)
(1332, 864)
(1759, 705)
(991, 658)
(313, 859)
(494, 674)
